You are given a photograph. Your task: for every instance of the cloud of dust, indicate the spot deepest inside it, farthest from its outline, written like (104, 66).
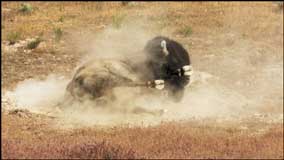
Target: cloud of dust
(220, 92)
(38, 95)
(126, 41)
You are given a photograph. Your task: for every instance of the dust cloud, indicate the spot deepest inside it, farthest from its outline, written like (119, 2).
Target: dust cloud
(37, 95)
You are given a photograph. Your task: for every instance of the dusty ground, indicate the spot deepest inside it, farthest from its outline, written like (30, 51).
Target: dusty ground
(238, 45)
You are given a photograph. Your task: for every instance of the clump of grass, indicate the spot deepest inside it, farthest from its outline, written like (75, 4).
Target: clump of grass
(13, 37)
(61, 8)
(186, 31)
(52, 51)
(99, 6)
(280, 5)
(61, 19)
(124, 3)
(58, 34)
(117, 20)
(33, 44)
(26, 8)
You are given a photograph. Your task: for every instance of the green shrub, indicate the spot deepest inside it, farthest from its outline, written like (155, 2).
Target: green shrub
(61, 19)
(117, 20)
(26, 8)
(186, 31)
(33, 44)
(58, 34)
(13, 37)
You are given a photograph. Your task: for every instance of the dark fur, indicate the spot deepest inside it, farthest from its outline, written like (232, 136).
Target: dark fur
(165, 67)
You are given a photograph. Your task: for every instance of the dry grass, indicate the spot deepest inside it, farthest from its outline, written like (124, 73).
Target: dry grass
(203, 17)
(168, 140)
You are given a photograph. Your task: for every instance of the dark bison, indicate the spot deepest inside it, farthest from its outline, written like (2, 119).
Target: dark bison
(168, 61)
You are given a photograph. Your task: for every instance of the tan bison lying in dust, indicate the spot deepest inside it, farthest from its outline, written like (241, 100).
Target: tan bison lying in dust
(96, 80)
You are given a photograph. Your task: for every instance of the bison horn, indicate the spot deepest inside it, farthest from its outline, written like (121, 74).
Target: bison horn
(164, 47)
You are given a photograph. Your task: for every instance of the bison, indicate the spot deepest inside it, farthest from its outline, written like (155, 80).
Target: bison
(168, 61)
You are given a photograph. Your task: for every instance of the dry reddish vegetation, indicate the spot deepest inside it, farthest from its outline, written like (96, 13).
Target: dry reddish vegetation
(25, 137)
(33, 136)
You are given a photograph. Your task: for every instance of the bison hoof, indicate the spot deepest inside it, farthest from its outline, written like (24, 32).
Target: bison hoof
(188, 70)
(101, 102)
